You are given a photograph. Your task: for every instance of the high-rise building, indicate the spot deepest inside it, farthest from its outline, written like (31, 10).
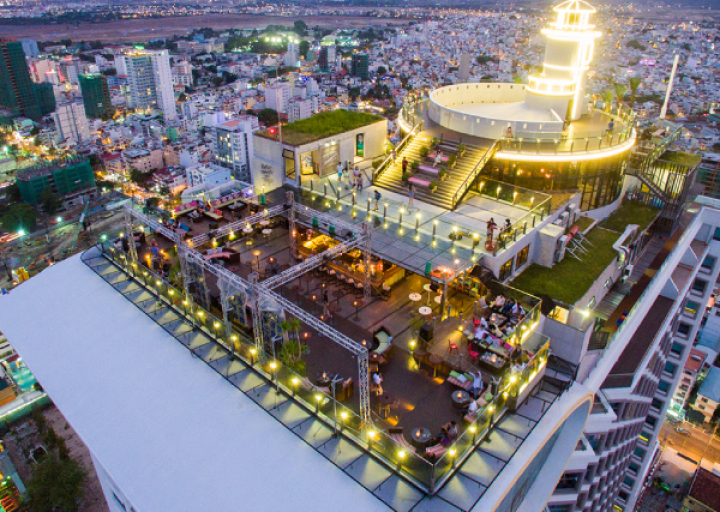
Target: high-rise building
(46, 97)
(708, 174)
(96, 95)
(17, 91)
(300, 109)
(292, 57)
(232, 146)
(360, 65)
(150, 79)
(277, 97)
(326, 59)
(71, 125)
(464, 69)
(30, 47)
(65, 177)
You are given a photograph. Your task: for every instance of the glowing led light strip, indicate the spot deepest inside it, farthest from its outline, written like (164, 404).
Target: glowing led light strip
(570, 157)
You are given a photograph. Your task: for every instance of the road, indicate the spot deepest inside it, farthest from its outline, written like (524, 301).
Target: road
(697, 445)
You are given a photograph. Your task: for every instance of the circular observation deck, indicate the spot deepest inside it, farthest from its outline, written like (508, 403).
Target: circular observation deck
(487, 110)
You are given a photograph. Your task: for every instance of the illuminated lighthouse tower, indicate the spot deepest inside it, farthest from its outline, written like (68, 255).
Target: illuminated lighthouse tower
(570, 42)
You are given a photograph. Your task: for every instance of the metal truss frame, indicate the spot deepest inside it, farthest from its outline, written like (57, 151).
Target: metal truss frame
(313, 262)
(237, 225)
(229, 282)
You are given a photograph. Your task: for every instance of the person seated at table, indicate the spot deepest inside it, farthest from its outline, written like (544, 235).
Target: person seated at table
(498, 304)
(443, 438)
(508, 307)
(470, 408)
(480, 333)
(377, 379)
(451, 430)
(496, 331)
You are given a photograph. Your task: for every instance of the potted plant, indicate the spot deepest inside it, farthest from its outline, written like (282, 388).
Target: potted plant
(406, 176)
(433, 185)
(415, 165)
(461, 149)
(452, 159)
(291, 356)
(442, 174)
(434, 142)
(424, 151)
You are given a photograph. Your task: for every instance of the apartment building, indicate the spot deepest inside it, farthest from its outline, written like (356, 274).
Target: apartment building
(150, 79)
(636, 374)
(708, 395)
(232, 146)
(694, 366)
(142, 159)
(277, 97)
(71, 125)
(210, 175)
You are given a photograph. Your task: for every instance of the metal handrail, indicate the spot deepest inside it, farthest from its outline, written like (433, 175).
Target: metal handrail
(377, 172)
(460, 192)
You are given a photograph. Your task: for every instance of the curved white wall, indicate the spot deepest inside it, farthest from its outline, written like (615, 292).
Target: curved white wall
(443, 100)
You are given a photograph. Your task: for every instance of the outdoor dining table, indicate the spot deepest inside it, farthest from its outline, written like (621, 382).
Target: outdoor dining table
(425, 311)
(266, 231)
(460, 398)
(420, 437)
(415, 297)
(264, 223)
(386, 399)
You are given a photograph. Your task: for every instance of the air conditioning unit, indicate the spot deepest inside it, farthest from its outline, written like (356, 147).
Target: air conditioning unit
(561, 246)
(574, 212)
(565, 216)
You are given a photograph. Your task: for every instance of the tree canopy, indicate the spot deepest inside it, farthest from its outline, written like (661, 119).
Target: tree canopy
(19, 216)
(56, 485)
(268, 116)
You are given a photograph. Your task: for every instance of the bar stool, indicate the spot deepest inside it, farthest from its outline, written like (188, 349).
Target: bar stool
(359, 289)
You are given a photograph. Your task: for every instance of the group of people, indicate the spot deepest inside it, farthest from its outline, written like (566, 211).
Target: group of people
(343, 174)
(492, 226)
(448, 434)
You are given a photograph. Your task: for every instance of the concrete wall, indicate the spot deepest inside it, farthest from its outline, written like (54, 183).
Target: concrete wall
(566, 342)
(442, 101)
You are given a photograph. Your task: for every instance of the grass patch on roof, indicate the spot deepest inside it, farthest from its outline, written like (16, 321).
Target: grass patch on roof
(681, 157)
(322, 125)
(631, 213)
(570, 279)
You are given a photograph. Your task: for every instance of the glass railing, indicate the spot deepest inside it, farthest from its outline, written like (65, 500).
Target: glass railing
(465, 186)
(335, 415)
(401, 145)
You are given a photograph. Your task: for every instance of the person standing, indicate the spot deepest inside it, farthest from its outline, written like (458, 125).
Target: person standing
(411, 194)
(404, 165)
(491, 227)
(339, 172)
(393, 154)
(377, 199)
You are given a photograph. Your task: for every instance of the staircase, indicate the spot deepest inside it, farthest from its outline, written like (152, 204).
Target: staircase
(391, 178)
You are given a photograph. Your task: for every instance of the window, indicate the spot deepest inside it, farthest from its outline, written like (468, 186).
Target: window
(634, 467)
(663, 386)
(704, 400)
(522, 257)
(657, 404)
(683, 328)
(651, 420)
(677, 349)
(691, 308)
(708, 263)
(629, 481)
(670, 368)
(701, 407)
(505, 270)
(699, 286)
(716, 236)
(568, 481)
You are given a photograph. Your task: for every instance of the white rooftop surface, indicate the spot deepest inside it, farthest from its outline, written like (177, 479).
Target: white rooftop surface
(169, 430)
(517, 111)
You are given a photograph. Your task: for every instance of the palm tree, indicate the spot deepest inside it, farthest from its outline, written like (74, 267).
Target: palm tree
(620, 91)
(608, 97)
(293, 325)
(634, 84)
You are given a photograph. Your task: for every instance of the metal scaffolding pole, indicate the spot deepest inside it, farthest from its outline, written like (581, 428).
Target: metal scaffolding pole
(129, 233)
(292, 224)
(367, 247)
(238, 225)
(254, 296)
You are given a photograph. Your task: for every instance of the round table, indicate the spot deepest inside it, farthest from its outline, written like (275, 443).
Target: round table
(377, 358)
(420, 437)
(438, 299)
(386, 399)
(460, 398)
(427, 288)
(266, 231)
(435, 360)
(415, 297)
(264, 223)
(247, 230)
(425, 311)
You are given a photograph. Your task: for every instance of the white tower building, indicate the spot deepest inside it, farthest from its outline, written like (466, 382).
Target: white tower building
(150, 79)
(570, 43)
(71, 125)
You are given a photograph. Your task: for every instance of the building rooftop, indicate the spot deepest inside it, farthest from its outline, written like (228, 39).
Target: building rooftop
(695, 360)
(710, 387)
(705, 488)
(321, 126)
